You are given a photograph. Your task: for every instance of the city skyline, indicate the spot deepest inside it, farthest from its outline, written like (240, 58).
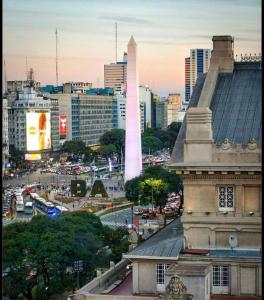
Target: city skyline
(165, 32)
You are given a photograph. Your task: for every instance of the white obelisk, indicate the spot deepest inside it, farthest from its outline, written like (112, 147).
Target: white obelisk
(133, 155)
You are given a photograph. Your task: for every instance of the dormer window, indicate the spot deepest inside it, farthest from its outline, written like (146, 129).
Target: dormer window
(226, 198)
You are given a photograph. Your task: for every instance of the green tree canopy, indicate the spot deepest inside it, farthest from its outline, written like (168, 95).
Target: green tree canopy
(151, 143)
(75, 147)
(51, 246)
(107, 150)
(173, 181)
(16, 156)
(114, 137)
(153, 189)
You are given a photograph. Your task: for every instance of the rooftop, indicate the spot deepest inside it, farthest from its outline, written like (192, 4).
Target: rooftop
(236, 105)
(165, 243)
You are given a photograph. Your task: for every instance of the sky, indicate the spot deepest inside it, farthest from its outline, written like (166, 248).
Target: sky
(164, 30)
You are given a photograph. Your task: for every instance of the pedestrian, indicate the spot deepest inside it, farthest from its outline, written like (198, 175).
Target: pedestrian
(72, 205)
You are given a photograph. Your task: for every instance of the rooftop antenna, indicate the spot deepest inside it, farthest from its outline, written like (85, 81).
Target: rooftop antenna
(26, 68)
(116, 42)
(56, 34)
(5, 76)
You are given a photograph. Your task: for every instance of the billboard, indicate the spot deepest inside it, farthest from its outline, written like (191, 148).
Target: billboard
(33, 156)
(63, 125)
(38, 131)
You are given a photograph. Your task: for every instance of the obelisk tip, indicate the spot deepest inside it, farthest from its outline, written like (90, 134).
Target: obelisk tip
(132, 41)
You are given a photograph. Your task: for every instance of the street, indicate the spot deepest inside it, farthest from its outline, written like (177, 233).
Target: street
(48, 179)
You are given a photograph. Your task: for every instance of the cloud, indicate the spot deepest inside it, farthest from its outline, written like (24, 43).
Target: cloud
(131, 20)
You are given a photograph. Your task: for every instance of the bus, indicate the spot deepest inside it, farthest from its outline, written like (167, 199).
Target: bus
(20, 206)
(61, 209)
(44, 206)
(29, 208)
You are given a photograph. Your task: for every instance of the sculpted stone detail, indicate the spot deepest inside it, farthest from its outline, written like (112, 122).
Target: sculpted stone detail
(175, 289)
(252, 145)
(226, 144)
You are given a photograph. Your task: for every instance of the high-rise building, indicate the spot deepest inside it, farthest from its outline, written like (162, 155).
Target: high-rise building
(119, 113)
(187, 79)
(87, 117)
(5, 142)
(76, 87)
(161, 113)
(18, 85)
(24, 129)
(195, 65)
(115, 75)
(145, 98)
(174, 106)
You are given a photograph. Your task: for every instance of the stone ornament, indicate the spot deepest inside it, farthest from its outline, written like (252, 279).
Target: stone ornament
(175, 290)
(226, 144)
(252, 144)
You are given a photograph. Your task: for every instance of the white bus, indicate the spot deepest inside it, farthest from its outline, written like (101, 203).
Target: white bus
(29, 208)
(20, 207)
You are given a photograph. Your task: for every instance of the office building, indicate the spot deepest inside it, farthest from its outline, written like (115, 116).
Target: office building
(76, 87)
(174, 106)
(23, 125)
(18, 85)
(119, 113)
(197, 64)
(145, 96)
(87, 116)
(161, 105)
(5, 140)
(95, 117)
(115, 75)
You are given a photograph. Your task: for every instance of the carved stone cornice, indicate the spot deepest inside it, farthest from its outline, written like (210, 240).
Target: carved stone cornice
(221, 176)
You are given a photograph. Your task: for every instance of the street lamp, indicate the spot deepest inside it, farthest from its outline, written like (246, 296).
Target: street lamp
(132, 215)
(152, 196)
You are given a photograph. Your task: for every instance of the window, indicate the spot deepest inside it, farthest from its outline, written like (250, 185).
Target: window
(220, 279)
(161, 273)
(226, 198)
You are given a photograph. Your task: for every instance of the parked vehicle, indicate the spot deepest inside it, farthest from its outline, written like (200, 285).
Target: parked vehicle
(145, 214)
(138, 211)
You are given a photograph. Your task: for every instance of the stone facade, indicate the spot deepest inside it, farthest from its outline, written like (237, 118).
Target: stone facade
(222, 180)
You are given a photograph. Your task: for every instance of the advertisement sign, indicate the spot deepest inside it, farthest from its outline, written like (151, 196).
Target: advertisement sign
(63, 125)
(35, 156)
(38, 131)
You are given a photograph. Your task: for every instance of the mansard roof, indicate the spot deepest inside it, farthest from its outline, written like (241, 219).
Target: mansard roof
(165, 243)
(235, 105)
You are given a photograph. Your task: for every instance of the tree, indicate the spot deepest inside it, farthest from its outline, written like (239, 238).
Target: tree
(114, 137)
(16, 156)
(173, 181)
(151, 143)
(155, 190)
(107, 150)
(175, 126)
(132, 189)
(51, 246)
(75, 147)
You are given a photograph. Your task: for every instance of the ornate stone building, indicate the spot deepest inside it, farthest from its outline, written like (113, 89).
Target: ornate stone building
(218, 155)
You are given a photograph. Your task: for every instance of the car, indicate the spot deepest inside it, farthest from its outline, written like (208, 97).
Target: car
(138, 211)
(169, 212)
(145, 214)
